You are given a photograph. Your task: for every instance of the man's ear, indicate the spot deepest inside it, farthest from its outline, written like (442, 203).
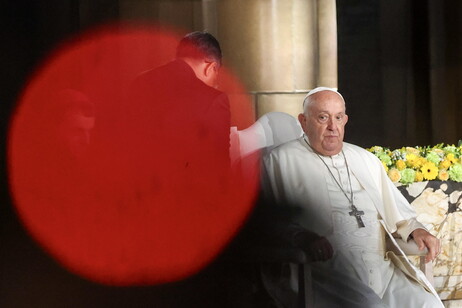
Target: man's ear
(302, 120)
(346, 119)
(210, 68)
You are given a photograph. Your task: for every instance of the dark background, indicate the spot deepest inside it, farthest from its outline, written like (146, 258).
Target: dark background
(399, 70)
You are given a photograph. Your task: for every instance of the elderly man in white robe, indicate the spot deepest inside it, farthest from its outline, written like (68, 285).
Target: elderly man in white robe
(347, 201)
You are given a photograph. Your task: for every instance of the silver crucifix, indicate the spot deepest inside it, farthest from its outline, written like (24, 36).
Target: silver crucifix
(357, 214)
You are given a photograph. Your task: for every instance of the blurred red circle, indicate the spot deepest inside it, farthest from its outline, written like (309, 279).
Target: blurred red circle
(103, 194)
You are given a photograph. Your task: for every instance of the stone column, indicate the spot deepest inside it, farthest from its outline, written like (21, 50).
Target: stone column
(279, 49)
(327, 43)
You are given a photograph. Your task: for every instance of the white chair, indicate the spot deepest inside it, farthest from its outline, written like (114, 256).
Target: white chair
(268, 132)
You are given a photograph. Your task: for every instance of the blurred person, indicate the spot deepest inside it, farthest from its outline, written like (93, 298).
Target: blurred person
(178, 104)
(76, 120)
(179, 124)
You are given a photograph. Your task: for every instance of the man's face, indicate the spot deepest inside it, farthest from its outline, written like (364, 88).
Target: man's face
(75, 133)
(324, 122)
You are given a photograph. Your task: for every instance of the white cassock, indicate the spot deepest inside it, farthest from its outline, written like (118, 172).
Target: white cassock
(296, 176)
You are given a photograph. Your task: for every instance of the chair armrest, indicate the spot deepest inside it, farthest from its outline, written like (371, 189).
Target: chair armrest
(410, 247)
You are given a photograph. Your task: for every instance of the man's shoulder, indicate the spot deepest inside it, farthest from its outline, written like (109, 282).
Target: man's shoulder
(358, 151)
(173, 69)
(355, 148)
(177, 76)
(288, 148)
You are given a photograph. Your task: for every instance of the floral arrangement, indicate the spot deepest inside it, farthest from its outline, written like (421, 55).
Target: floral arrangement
(415, 164)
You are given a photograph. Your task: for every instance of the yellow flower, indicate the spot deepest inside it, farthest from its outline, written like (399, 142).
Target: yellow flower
(419, 176)
(443, 175)
(411, 159)
(451, 158)
(401, 165)
(445, 164)
(429, 171)
(421, 162)
(394, 175)
(385, 166)
(415, 161)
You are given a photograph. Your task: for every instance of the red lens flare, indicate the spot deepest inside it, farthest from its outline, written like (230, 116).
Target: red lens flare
(122, 186)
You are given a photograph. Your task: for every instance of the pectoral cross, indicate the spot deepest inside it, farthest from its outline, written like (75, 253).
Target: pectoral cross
(357, 214)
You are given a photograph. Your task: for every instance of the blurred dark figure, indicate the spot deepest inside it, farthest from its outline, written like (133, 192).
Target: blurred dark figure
(76, 119)
(180, 126)
(56, 151)
(178, 105)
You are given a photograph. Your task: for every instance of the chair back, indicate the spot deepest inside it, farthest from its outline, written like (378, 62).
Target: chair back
(269, 131)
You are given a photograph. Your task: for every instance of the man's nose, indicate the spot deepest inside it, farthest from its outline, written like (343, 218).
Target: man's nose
(330, 124)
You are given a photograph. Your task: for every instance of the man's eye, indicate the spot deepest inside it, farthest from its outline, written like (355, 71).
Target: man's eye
(339, 118)
(323, 118)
